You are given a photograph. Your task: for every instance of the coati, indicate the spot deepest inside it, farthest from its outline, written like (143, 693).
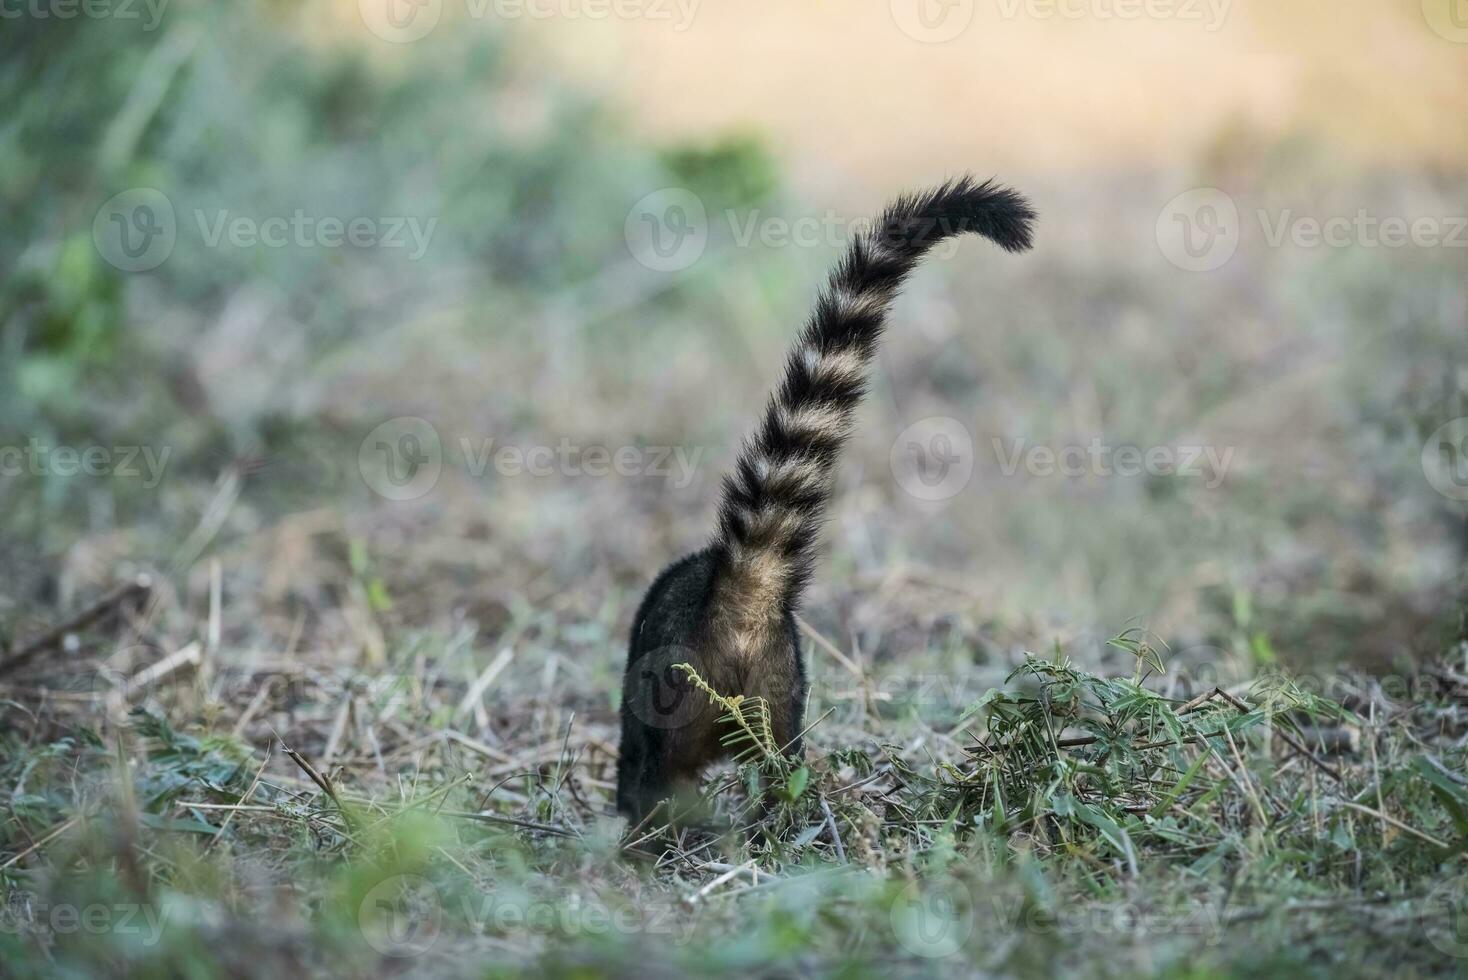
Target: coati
(729, 610)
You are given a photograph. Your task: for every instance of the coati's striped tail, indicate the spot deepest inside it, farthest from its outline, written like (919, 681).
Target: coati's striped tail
(773, 502)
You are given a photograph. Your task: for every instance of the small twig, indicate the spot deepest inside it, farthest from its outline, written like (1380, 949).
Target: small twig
(629, 844)
(176, 662)
(805, 731)
(1405, 828)
(729, 875)
(338, 730)
(216, 596)
(1245, 783)
(862, 782)
(835, 834)
(476, 746)
(256, 703)
(512, 822)
(457, 863)
(1325, 905)
(1197, 702)
(139, 588)
(486, 678)
(851, 666)
(65, 826)
(439, 794)
(1289, 739)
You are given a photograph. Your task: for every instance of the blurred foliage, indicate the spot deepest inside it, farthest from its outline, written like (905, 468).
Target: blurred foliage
(736, 171)
(230, 110)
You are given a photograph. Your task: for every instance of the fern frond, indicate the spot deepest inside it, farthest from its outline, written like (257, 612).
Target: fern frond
(750, 715)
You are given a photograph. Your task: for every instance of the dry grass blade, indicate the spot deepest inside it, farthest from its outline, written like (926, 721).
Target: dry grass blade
(320, 780)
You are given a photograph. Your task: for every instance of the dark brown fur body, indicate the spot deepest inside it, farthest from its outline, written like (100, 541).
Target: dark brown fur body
(729, 610)
(675, 730)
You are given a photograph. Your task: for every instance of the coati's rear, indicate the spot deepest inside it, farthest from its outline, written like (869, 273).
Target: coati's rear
(729, 610)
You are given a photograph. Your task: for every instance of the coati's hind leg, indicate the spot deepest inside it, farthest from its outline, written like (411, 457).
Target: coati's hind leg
(632, 781)
(646, 773)
(653, 769)
(667, 723)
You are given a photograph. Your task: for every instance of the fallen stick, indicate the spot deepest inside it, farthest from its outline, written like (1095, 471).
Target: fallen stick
(481, 684)
(139, 588)
(729, 875)
(511, 822)
(67, 825)
(1397, 824)
(189, 656)
(835, 834)
(830, 648)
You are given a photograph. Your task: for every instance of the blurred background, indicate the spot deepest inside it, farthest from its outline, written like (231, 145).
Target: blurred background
(283, 284)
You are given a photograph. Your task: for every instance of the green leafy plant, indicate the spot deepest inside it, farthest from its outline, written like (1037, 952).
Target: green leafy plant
(1077, 757)
(750, 735)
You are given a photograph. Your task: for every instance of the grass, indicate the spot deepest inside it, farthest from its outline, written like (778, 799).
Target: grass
(295, 814)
